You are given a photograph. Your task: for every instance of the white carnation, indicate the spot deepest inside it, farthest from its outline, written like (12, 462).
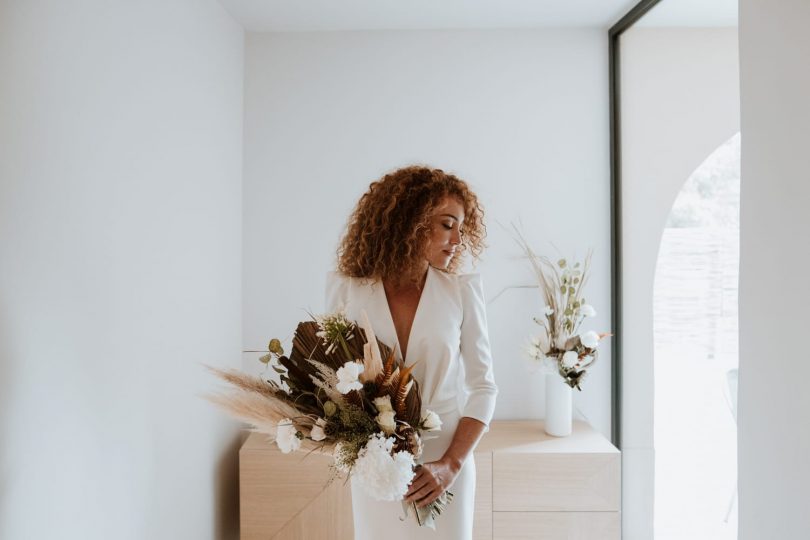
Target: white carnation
(570, 359)
(347, 377)
(589, 339)
(286, 436)
(383, 476)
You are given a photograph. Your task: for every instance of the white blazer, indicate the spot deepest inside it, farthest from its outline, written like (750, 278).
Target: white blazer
(448, 343)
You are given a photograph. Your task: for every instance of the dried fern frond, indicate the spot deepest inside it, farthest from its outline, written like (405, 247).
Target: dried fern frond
(327, 381)
(402, 390)
(389, 368)
(246, 382)
(391, 384)
(264, 414)
(260, 411)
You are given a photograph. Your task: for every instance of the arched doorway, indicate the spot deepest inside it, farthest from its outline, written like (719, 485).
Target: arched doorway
(696, 355)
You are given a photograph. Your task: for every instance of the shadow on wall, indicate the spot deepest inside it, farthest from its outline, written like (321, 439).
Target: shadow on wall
(226, 487)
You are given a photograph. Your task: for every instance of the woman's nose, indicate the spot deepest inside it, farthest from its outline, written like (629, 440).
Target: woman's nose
(455, 238)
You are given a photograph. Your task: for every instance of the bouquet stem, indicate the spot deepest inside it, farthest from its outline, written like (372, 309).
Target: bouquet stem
(426, 515)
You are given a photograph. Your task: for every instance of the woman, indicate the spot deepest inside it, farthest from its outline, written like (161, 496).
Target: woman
(398, 262)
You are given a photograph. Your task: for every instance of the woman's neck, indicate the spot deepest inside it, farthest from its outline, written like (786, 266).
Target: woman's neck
(390, 285)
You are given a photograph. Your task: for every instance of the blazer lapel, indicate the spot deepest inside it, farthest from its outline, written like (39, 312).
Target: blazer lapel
(386, 321)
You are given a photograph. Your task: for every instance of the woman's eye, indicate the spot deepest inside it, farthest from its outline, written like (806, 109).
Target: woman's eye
(448, 227)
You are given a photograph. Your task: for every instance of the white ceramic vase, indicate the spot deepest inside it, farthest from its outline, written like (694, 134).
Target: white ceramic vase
(559, 408)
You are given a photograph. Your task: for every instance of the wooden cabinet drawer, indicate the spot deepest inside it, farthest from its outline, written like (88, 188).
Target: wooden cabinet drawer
(556, 482)
(557, 526)
(282, 496)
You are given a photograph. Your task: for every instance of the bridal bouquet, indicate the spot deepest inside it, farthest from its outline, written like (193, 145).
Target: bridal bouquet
(561, 346)
(337, 395)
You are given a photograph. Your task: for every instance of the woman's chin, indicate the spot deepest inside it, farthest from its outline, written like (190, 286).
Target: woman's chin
(441, 262)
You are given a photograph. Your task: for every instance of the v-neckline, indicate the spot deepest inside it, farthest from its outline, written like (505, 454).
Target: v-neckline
(415, 316)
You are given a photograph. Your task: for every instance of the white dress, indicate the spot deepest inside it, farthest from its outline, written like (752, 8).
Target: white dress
(449, 344)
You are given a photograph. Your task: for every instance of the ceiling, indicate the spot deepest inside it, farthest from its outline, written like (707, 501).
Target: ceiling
(692, 13)
(321, 15)
(334, 15)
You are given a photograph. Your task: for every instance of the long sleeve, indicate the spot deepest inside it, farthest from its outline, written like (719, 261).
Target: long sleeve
(479, 378)
(337, 286)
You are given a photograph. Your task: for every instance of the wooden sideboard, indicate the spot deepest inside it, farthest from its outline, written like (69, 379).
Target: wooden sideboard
(548, 488)
(529, 485)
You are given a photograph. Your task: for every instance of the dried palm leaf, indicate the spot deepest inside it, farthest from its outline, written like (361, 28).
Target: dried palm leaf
(413, 406)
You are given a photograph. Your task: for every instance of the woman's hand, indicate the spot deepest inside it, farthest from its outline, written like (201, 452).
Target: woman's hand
(431, 480)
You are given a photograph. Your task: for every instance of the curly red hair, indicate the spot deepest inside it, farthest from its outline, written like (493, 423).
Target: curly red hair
(389, 229)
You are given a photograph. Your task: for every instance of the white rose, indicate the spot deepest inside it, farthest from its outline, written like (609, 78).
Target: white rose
(586, 310)
(589, 339)
(383, 403)
(386, 421)
(286, 437)
(347, 377)
(431, 421)
(317, 433)
(570, 359)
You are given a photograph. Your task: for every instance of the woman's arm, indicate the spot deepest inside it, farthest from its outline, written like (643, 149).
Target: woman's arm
(433, 478)
(468, 433)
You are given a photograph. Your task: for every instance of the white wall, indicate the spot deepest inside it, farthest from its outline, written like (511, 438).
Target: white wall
(680, 101)
(774, 404)
(521, 115)
(120, 224)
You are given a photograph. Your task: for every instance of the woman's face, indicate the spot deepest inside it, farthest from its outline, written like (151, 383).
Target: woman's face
(445, 237)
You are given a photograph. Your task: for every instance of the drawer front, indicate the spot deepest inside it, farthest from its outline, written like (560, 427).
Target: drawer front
(557, 526)
(556, 482)
(282, 497)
